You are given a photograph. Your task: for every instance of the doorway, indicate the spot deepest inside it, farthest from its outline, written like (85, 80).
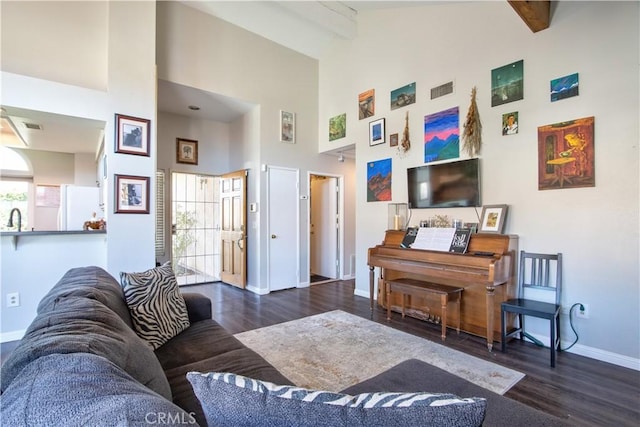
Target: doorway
(195, 228)
(324, 228)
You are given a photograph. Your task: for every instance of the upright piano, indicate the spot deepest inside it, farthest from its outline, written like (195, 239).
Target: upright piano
(487, 272)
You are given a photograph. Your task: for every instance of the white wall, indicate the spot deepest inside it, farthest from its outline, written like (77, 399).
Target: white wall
(595, 228)
(238, 64)
(121, 42)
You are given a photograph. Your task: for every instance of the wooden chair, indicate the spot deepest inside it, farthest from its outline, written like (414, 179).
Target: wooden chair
(538, 272)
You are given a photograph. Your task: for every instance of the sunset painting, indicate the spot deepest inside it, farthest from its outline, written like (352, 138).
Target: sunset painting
(442, 135)
(379, 180)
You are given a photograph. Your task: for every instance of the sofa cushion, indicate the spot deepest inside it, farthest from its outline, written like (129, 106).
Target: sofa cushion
(83, 325)
(158, 310)
(414, 375)
(83, 389)
(206, 346)
(232, 400)
(88, 282)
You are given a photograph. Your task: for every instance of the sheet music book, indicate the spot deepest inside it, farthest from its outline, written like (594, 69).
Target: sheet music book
(434, 238)
(409, 237)
(460, 240)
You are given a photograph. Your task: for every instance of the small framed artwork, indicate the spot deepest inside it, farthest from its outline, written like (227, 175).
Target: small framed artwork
(376, 132)
(565, 87)
(510, 123)
(186, 151)
(493, 218)
(132, 194)
(393, 140)
(132, 135)
(338, 127)
(366, 104)
(507, 83)
(287, 127)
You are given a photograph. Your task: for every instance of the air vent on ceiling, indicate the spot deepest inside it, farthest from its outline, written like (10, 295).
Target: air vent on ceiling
(32, 126)
(442, 90)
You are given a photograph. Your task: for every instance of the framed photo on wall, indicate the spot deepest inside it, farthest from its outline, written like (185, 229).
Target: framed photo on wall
(186, 151)
(287, 127)
(132, 194)
(132, 135)
(493, 218)
(376, 132)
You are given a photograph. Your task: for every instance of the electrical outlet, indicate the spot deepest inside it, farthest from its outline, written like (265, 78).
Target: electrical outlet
(582, 311)
(13, 299)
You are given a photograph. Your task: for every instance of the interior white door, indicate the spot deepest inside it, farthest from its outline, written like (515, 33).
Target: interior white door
(283, 232)
(324, 226)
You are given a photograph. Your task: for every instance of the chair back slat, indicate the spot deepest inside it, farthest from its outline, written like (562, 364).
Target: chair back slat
(540, 271)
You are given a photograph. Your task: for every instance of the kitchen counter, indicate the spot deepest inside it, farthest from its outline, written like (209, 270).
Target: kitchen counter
(16, 234)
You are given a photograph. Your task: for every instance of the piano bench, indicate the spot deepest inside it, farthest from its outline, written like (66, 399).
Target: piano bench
(417, 288)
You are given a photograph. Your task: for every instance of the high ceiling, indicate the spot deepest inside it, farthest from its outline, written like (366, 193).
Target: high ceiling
(308, 27)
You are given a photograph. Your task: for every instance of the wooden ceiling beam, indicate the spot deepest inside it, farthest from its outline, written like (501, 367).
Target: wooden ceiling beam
(535, 13)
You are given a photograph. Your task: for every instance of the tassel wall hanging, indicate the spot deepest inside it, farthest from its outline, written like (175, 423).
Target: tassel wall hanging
(472, 134)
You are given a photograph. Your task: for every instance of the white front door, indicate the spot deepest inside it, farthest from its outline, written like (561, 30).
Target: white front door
(283, 232)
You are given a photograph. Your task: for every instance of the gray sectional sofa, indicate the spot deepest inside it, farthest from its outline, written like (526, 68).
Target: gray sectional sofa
(81, 363)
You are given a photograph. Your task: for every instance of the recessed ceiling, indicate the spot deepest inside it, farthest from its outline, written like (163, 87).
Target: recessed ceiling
(53, 132)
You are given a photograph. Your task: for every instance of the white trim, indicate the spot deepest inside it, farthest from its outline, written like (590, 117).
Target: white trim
(256, 290)
(12, 336)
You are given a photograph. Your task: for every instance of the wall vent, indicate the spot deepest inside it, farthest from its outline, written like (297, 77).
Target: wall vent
(32, 126)
(442, 90)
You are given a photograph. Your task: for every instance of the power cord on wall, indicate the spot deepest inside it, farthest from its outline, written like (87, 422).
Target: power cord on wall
(578, 304)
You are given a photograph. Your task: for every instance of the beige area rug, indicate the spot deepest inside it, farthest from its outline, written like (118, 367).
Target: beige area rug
(334, 350)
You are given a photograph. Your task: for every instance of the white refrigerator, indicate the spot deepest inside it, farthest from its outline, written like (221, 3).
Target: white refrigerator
(77, 205)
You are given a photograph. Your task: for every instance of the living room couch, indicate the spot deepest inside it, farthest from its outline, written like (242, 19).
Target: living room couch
(82, 363)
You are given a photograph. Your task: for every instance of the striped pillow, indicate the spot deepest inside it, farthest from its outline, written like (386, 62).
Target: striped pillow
(158, 310)
(230, 400)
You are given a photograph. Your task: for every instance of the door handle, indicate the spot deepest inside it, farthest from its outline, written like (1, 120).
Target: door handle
(273, 236)
(240, 240)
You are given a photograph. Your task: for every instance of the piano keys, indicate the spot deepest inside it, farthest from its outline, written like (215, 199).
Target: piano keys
(487, 272)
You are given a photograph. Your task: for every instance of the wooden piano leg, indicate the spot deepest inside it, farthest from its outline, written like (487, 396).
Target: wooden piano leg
(443, 302)
(388, 289)
(371, 278)
(490, 295)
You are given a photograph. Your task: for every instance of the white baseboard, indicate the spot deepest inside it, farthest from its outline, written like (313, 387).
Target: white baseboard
(11, 336)
(579, 349)
(258, 291)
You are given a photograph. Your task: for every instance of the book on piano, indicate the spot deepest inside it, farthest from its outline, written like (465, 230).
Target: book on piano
(460, 240)
(409, 237)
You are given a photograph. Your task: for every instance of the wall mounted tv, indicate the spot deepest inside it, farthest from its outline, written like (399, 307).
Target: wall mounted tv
(445, 185)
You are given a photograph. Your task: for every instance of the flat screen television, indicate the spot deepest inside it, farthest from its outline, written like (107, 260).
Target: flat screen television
(445, 185)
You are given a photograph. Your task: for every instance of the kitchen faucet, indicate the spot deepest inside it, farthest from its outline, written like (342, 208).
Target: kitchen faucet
(10, 223)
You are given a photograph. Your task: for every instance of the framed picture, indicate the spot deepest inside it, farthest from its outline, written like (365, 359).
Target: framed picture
(393, 140)
(403, 96)
(132, 194)
(338, 127)
(132, 135)
(366, 104)
(376, 132)
(287, 127)
(507, 83)
(493, 218)
(510, 123)
(186, 151)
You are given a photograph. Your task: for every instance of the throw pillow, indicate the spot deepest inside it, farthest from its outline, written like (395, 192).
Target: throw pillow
(158, 310)
(232, 400)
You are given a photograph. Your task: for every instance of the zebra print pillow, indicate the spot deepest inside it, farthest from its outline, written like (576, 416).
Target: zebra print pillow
(158, 311)
(231, 400)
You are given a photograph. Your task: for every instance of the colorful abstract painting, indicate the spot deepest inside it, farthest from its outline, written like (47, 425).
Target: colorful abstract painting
(564, 87)
(566, 155)
(507, 83)
(442, 135)
(338, 127)
(379, 181)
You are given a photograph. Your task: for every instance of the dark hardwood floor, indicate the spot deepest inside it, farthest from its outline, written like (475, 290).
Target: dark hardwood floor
(583, 391)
